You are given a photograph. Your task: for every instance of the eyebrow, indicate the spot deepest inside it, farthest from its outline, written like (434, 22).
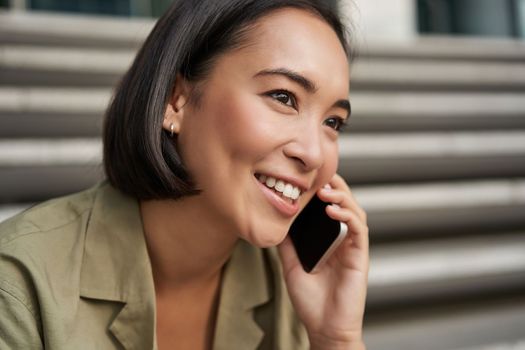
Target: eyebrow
(306, 84)
(344, 104)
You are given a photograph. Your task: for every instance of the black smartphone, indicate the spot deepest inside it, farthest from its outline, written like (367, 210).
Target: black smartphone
(315, 235)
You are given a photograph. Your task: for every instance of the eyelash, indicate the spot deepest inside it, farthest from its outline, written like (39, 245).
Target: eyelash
(288, 94)
(341, 122)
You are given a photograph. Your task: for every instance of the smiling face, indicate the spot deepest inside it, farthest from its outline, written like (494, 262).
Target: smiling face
(268, 115)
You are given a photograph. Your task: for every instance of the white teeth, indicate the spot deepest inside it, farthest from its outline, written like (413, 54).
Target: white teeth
(295, 193)
(287, 190)
(270, 182)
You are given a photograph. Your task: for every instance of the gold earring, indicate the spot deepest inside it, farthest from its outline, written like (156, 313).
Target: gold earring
(171, 129)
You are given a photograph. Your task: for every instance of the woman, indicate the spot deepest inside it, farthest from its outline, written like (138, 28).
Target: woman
(174, 251)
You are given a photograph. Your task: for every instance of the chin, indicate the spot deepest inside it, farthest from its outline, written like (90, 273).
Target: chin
(267, 240)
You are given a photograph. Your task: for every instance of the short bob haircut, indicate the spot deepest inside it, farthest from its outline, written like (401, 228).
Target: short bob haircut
(140, 158)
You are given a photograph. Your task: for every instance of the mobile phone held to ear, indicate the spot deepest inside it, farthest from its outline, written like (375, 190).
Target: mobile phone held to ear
(315, 235)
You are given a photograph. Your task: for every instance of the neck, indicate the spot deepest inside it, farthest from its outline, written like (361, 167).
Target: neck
(186, 246)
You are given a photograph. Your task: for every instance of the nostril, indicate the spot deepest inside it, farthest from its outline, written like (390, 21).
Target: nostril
(299, 160)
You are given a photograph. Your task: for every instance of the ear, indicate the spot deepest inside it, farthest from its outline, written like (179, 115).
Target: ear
(174, 113)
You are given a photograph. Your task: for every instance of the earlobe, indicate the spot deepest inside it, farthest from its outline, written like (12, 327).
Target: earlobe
(174, 113)
(172, 120)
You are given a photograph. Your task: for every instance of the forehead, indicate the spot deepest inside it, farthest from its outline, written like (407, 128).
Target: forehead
(293, 39)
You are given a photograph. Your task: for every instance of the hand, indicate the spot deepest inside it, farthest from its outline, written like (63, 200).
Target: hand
(331, 302)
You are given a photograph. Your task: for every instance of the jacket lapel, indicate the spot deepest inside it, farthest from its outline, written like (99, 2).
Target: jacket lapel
(116, 267)
(132, 329)
(244, 287)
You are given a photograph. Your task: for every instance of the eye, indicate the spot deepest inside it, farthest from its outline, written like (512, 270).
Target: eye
(336, 123)
(285, 97)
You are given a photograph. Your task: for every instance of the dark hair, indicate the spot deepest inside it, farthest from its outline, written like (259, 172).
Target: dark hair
(140, 159)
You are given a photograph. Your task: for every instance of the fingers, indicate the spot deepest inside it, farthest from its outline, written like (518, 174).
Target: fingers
(338, 182)
(357, 229)
(346, 210)
(342, 196)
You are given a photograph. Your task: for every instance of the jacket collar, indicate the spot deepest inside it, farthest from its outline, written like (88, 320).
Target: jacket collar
(116, 267)
(245, 286)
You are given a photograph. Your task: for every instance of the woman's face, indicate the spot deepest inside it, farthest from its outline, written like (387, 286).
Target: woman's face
(268, 114)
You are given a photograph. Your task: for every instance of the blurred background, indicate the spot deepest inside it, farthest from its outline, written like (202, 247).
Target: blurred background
(435, 150)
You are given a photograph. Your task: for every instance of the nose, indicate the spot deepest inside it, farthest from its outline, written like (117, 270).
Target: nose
(306, 148)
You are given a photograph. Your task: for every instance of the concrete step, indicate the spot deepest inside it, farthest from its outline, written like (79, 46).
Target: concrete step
(495, 324)
(447, 48)
(438, 111)
(53, 112)
(37, 183)
(68, 100)
(431, 156)
(440, 209)
(411, 273)
(32, 65)
(62, 66)
(437, 75)
(34, 170)
(73, 30)
(46, 152)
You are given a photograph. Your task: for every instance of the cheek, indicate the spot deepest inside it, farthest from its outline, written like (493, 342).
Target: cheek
(245, 130)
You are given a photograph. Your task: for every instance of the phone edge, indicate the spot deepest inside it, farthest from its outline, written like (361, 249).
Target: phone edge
(340, 238)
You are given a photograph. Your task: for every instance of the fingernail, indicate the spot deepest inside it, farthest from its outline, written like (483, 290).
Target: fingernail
(326, 190)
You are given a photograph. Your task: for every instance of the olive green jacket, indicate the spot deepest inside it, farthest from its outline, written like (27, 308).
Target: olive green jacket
(75, 274)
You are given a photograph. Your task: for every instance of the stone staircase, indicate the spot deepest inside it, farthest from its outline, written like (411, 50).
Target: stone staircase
(437, 155)
(435, 152)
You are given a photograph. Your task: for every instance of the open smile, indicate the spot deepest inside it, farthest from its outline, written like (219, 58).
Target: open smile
(281, 187)
(282, 195)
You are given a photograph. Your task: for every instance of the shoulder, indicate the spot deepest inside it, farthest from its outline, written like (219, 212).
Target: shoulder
(40, 244)
(46, 217)
(39, 250)
(40, 234)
